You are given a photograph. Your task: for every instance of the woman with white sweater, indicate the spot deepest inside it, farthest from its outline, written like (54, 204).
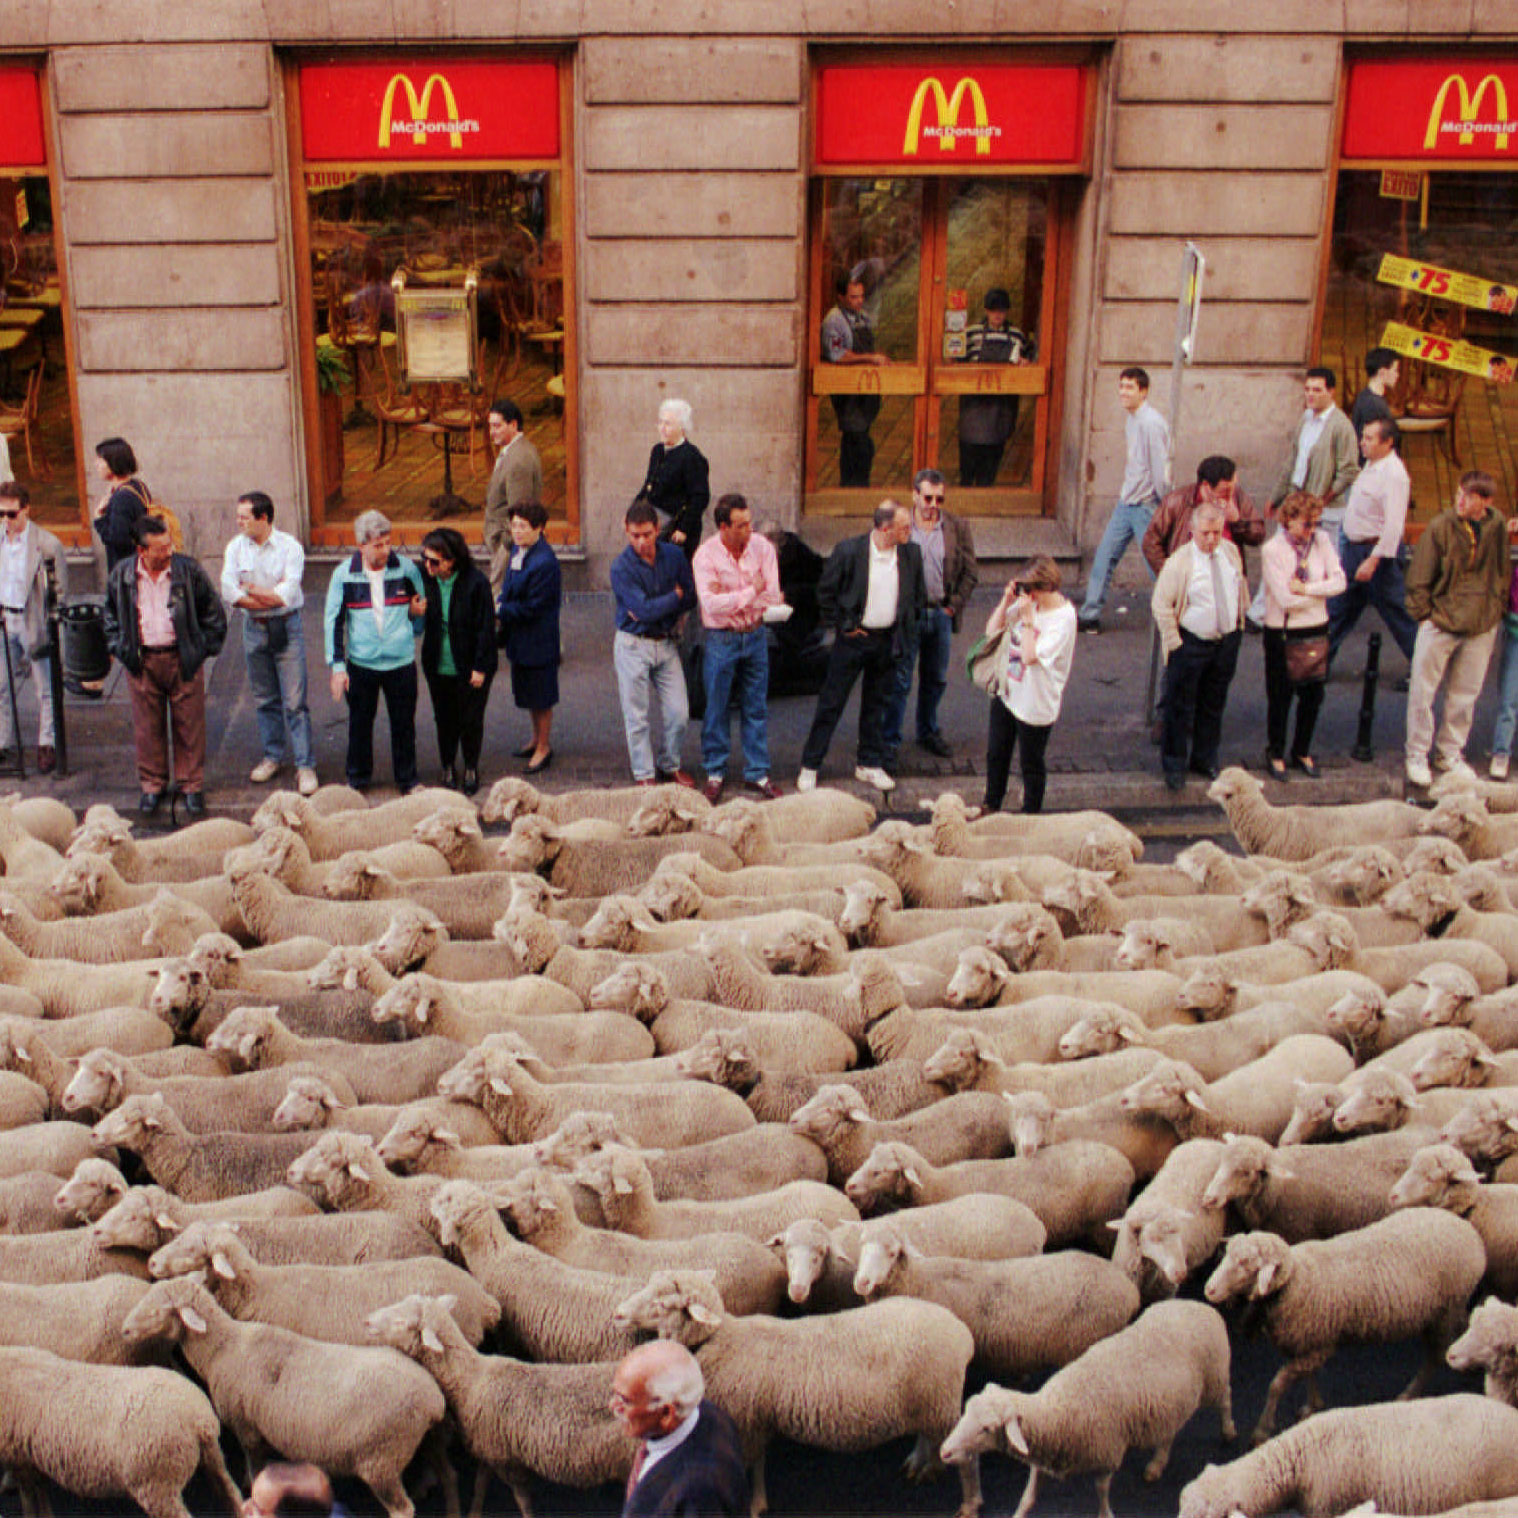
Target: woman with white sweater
(1030, 684)
(1301, 570)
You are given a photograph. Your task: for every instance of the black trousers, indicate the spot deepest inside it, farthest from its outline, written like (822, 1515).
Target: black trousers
(1004, 734)
(869, 655)
(856, 452)
(1197, 677)
(979, 462)
(364, 689)
(1278, 693)
(459, 710)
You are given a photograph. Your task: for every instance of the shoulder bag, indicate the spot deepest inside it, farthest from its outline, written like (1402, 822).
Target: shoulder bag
(986, 660)
(1306, 654)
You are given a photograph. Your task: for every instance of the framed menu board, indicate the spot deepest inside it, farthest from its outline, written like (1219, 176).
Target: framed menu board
(437, 333)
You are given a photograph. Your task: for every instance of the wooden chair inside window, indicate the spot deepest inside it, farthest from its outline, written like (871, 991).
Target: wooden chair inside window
(21, 421)
(1426, 398)
(394, 410)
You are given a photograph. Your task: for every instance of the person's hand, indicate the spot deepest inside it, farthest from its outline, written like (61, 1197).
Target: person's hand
(419, 606)
(1367, 569)
(101, 504)
(1231, 511)
(339, 684)
(476, 678)
(1298, 585)
(880, 358)
(679, 592)
(677, 537)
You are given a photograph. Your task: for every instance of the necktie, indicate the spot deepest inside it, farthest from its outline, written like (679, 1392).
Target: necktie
(1221, 608)
(637, 1468)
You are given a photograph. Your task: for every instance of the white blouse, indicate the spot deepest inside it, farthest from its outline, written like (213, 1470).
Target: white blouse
(1033, 692)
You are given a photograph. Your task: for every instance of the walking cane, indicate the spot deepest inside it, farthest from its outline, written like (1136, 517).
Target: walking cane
(10, 692)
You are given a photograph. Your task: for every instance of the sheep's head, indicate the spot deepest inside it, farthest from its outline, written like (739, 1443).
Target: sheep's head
(669, 810)
(1171, 1091)
(308, 1103)
(1451, 993)
(1109, 850)
(804, 1248)
(961, 1060)
(1146, 944)
(457, 1208)
(1481, 887)
(1489, 1343)
(212, 1252)
(1434, 855)
(874, 982)
(743, 828)
(531, 938)
(1486, 1128)
(1328, 937)
(356, 876)
(949, 821)
(1438, 1175)
(1427, 900)
(1207, 995)
(1461, 818)
(579, 1136)
(1102, 1029)
(415, 1003)
(978, 979)
(637, 988)
(619, 923)
(671, 896)
(81, 883)
(216, 953)
(803, 947)
(98, 1083)
(1312, 1112)
(722, 1056)
(180, 993)
(995, 881)
(510, 798)
(1254, 1266)
(1246, 1165)
(832, 1112)
(133, 1124)
(1365, 875)
(1030, 1120)
(414, 934)
(415, 1134)
(112, 841)
(533, 1200)
(416, 1325)
(1454, 1057)
(345, 967)
(1076, 901)
(533, 844)
(245, 1037)
(465, 1081)
(892, 1172)
(616, 1174)
(338, 1170)
(173, 1310)
(1358, 1015)
(453, 832)
(94, 1188)
(1022, 934)
(277, 852)
(285, 809)
(988, 1417)
(683, 1305)
(1161, 1240)
(1235, 785)
(1208, 865)
(1281, 898)
(884, 1247)
(865, 905)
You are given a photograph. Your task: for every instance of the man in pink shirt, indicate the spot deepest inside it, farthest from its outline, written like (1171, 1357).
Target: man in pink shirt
(737, 578)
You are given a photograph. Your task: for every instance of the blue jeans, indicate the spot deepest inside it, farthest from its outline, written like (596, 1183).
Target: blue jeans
(930, 656)
(42, 679)
(736, 664)
(1507, 713)
(275, 651)
(1385, 590)
(647, 665)
(1127, 523)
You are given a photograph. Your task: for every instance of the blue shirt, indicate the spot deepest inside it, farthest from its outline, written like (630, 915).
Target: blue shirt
(645, 593)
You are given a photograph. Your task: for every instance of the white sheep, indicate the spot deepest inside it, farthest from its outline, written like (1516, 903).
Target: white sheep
(591, 867)
(165, 925)
(982, 978)
(1166, 1233)
(966, 1060)
(330, 834)
(1229, 922)
(747, 829)
(1466, 822)
(1299, 832)
(79, 1320)
(1137, 1388)
(54, 1147)
(671, 896)
(1433, 904)
(1410, 1273)
(1439, 1175)
(284, 855)
(767, 881)
(1486, 1127)
(511, 797)
(1037, 1124)
(1026, 1032)
(66, 988)
(1091, 840)
(191, 853)
(467, 906)
(1490, 1344)
(535, 941)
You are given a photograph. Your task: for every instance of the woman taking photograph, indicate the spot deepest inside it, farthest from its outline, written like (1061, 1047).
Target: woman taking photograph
(1301, 570)
(529, 616)
(458, 654)
(676, 485)
(126, 499)
(1032, 668)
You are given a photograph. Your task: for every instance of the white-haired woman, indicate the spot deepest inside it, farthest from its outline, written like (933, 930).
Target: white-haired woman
(676, 485)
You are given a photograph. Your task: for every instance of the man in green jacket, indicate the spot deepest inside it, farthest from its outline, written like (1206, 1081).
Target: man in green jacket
(1456, 591)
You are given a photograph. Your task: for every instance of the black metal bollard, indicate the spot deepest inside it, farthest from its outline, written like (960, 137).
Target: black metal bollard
(1363, 751)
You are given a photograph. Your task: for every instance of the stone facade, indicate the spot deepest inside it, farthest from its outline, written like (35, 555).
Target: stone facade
(691, 180)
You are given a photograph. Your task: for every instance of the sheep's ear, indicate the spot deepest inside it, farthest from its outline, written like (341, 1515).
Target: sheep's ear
(350, 978)
(164, 1223)
(192, 1319)
(858, 1113)
(431, 1341)
(447, 1138)
(357, 1171)
(1194, 1099)
(911, 1176)
(1015, 1436)
(1265, 1280)
(222, 1266)
(621, 1185)
(1126, 1034)
(499, 1086)
(1116, 1224)
(699, 1312)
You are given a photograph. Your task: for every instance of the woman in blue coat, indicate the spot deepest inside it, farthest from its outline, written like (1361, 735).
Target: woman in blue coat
(528, 611)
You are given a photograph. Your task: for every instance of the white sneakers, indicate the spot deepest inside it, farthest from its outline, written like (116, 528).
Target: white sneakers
(1419, 774)
(1498, 768)
(306, 782)
(872, 774)
(806, 780)
(265, 769)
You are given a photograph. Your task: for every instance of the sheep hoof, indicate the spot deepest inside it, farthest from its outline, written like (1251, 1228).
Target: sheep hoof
(1259, 1436)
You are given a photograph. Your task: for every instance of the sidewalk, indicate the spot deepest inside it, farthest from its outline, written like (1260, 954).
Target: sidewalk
(1099, 756)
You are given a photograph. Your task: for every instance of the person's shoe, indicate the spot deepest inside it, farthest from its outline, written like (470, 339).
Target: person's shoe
(537, 766)
(647, 785)
(712, 790)
(1206, 771)
(306, 782)
(1174, 781)
(666, 777)
(1308, 765)
(6, 756)
(265, 769)
(1277, 768)
(935, 743)
(1459, 770)
(526, 750)
(1401, 684)
(872, 774)
(194, 803)
(1092, 625)
(766, 788)
(806, 780)
(47, 759)
(1419, 774)
(470, 783)
(149, 802)
(1498, 768)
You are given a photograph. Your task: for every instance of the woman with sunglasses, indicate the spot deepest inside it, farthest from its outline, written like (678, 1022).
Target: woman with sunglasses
(458, 654)
(529, 615)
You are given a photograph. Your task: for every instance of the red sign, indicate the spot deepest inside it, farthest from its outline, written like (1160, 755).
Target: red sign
(951, 115)
(1453, 109)
(432, 110)
(22, 145)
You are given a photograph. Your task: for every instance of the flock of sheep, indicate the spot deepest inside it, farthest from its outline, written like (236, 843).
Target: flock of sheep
(368, 1139)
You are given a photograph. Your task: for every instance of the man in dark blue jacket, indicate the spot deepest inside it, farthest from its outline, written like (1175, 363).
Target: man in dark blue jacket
(689, 1459)
(653, 588)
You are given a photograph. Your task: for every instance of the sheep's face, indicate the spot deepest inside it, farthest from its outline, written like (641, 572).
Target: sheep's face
(1162, 1242)
(1020, 937)
(416, 1325)
(1312, 1112)
(798, 949)
(667, 813)
(132, 1123)
(534, 1201)
(283, 809)
(412, 936)
(1253, 1266)
(530, 937)
(1458, 818)
(457, 1208)
(579, 1136)
(1100, 1031)
(676, 1304)
(1357, 1016)
(977, 979)
(215, 953)
(1490, 1342)
(804, 1248)
(1207, 995)
(1423, 899)
(336, 1169)
(1170, 1091)
(1281, 898)
(410, 1001)
(638, 989)
(1456, 1058)
(1365, 875)
(1244, 1168)
(1327, 937)
(510, 798)
(990, 883)
(171, 1310)
(831, 1113)
(1485, 1129)
(453, 833)
(1438, 1175)
(981, 1425)
(138, 1221)
(112, 843)
(411, 1135)
(1234, 785)
(671, 897)
(1030, 1120)
(1109, 851)
(97, 1084)
(1451, 992)
(957, 1062)
(94, 1188)
(864, 904)
(354, 877)
(617, 923)
(879, 1256)
(523, 851)
(617, 1175)
(80, 884)
(889, 1174)
(722, 1056)
(342, 968)
(181, 990)
(1144, 946)
(465, 1081)
(210, 1253)
(244, 1037)
(306, 1105)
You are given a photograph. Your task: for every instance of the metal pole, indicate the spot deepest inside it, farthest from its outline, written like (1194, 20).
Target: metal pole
(1363, 751)
(10, 691)
(55, 669)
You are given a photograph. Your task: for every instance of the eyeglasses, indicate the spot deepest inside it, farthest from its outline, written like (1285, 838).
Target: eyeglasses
(432, 561)
(931, 500)
(8, 515)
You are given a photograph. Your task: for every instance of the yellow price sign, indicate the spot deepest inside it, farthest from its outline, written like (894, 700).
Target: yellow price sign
(1448, 353)
(1447, 284)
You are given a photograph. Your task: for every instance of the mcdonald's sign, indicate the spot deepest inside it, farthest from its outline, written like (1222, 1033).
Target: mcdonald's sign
(22, 145)
(1455, 109)
(957, 113)
(430, 109)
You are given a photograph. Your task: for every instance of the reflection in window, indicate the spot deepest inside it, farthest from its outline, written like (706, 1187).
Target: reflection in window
(388, 452)
(35, 417)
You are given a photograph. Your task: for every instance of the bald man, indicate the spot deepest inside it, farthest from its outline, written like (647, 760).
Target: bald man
(689, 1459)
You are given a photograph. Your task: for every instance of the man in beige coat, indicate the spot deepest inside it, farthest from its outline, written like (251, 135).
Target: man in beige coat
(26, 552)
(516, 479)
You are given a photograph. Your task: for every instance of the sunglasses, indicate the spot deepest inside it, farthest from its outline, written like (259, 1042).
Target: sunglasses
(932, 500)
(8, 515)
(432, 561)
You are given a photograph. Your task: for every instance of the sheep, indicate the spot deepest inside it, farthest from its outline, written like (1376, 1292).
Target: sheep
(1255, 1098)
(1490, 1344)
(540, 1209)
(828, 815)
(595, 866)
(967, 1061)
(768, 882)
(167, 924)
(721, 1057)
(1138, 1387)
(797, 1040)
(77, 1320)
(94, 1187)
(311, 1102)
(272, 912)
(54, 1147)
(25, 856)
(1421, 1457)
(982, 979)
(1309, 1191)
(953, 828)
(533, 939)
(624, 1185)
(971, 1126)
(66, 988)
(354, 1410)
(46, 818)
(847, 1382)
(1037, 1124)
(1027, 937)
(890, 1090)
(1230, 922)
(191, 853)
(1465, 821)
(1486, 1127)
(1298, 832)
(1166, 1233)
(1028, 1033)
(27, 1201)
(130, 1431)
(569, 1434)
(32, 1076)
(343, 1172)
(1439, 1175)
(284, 855)
(512, 797)
(65, 1254)
(926, 879)
(1444, 1057)
(255, 1038)
(670, 896)
(417, 940)
(868, 920)
(746, 827)
(819, 1271)
(1411, 1272)
(1075, 1188)
(327, 1302)
(1432, 905)
(554, 1311)
(355, 968)
(334, 833)
(1207, 995)
(1148, 943)
(467, 906)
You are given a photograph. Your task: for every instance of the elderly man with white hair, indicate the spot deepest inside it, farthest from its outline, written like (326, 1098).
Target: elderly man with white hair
(676, 484)
(375, 608)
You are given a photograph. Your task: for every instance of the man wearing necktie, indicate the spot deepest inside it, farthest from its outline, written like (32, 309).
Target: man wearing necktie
(1198, 607)
(689, 1461)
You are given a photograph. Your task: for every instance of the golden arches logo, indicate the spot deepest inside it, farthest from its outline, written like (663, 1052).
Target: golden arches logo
(1470, 110)
(947, 107)
(416, 123)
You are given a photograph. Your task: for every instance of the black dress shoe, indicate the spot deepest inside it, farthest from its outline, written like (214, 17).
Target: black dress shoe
(470, 783)
(1174, 782)
(537, 766)
(149, 802)
(1206, 771)
(525, 752)
(194, 804)
(935, 743)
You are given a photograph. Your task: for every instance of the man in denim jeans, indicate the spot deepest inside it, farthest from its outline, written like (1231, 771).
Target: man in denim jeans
(261, 573)
(652, 585)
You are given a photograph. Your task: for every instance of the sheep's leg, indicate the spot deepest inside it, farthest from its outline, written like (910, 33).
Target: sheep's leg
(1279, 1385)
(391, 1493)
(1437, 1338)
(759, 1498)
(1030, 1492)
(923, 1462)
(212, 1460)
(509, 1475)
(158, 1502)
(1104, 1494)
(970, 1501)
(1225, 1411)
(436, 1446)
(1157, 1461)
(1309, 1368)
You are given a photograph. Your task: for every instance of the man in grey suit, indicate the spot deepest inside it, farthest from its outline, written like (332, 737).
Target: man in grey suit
(25, 552)
(516, 480)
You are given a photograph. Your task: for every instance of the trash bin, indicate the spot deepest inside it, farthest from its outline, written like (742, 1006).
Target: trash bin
(81, 632)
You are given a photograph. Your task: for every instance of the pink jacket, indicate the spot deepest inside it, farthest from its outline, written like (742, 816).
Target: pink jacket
(1325, 578)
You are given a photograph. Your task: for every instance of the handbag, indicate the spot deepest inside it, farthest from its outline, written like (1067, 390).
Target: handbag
(986, 659)
(1306, 657)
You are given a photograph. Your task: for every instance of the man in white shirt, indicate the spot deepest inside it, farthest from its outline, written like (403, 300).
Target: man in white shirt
(25, 552)
(261, 571)
(1198, 607)
(1370, 543)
